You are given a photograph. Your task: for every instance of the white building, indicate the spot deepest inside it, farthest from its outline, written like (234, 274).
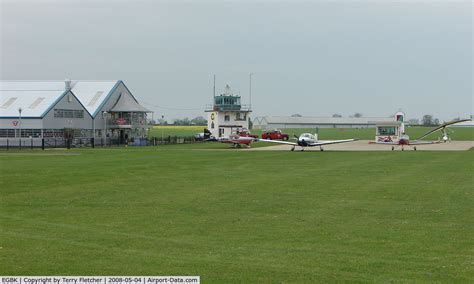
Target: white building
(98, 110)
(227, 114)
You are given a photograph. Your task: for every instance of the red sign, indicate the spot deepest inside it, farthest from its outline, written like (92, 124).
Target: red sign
(15, 123)
(121, 121)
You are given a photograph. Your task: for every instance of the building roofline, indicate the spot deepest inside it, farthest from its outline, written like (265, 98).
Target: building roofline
(59, 99)
(106, 98)
(22, 117)
(55, 103)
(129, 92)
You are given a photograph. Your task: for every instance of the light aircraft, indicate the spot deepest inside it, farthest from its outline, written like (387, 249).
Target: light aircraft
(237, 140)
(405, 139)
(307, 140)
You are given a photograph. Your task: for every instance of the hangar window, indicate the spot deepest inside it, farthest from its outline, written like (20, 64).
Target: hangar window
(5, 133)
(212, 125)
(78, 113)
(34, 133)
(25, 133)
(53, 133)
(68, 113)
(227, 118)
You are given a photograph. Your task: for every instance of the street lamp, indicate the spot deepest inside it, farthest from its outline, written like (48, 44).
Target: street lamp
(19, 112)
(104, 115)
(250, 90)
(163, 122)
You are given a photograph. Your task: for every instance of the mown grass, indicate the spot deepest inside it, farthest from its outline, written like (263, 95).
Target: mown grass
(239, 216)
(456, 133)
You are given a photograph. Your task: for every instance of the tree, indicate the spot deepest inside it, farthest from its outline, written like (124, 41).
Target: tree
(199, 120)
(436, 121)
(414, 121)
(427, 120)
(162, 121)
(336, 115)
(296, 115)
(184, 121)
(358, 114)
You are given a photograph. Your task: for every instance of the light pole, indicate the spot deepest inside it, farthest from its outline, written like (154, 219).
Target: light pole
(19, 112)
(250, 90)
(163, 122)
(104, 114)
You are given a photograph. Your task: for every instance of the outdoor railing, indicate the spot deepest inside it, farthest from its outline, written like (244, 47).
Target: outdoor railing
(60, 142)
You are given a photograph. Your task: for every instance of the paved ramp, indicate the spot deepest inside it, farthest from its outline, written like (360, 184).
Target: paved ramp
(363, 145)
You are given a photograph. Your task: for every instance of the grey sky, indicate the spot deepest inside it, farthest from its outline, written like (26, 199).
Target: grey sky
(314, 58)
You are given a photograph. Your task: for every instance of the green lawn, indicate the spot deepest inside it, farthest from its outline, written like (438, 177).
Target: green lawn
(239, 216)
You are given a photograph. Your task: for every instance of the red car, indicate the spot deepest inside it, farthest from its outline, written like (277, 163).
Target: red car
(275, 135)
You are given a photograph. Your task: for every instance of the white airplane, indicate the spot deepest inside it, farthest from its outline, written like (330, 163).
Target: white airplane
(405, 139)
(307, 140)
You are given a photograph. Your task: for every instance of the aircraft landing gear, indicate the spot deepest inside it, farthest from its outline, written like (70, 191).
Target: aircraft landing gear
(292, 149)
(414, 148)
(321, 149)
(393, 148)
(403, 149)
(302, 149)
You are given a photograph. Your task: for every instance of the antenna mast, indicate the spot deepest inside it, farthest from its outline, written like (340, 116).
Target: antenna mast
(214, 86)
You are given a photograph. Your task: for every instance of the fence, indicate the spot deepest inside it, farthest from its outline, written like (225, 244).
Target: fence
(60, 142)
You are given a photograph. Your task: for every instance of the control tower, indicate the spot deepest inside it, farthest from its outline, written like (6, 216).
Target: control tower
(227, 115)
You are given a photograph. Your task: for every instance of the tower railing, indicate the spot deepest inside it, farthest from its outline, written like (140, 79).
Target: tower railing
(227, 107)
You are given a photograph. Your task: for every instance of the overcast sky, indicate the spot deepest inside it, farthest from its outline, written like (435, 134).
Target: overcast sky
(314, 58)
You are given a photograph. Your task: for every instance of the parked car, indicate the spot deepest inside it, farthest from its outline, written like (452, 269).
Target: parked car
(275, 135)
(206, 135)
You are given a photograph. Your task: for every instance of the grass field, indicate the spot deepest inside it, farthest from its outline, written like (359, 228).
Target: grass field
(239, 216)
(458, 133)
(175, 130)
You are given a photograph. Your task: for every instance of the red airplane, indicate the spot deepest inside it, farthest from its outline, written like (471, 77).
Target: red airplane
(236, 140)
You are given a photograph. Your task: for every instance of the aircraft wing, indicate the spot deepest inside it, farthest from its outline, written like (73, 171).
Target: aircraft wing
(321, 143)
(278, 142)
(416, 142)
(441, 127)
(384, 143)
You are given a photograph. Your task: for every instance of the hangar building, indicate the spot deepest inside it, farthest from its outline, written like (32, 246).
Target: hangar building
(70, 109)
(277, 122)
